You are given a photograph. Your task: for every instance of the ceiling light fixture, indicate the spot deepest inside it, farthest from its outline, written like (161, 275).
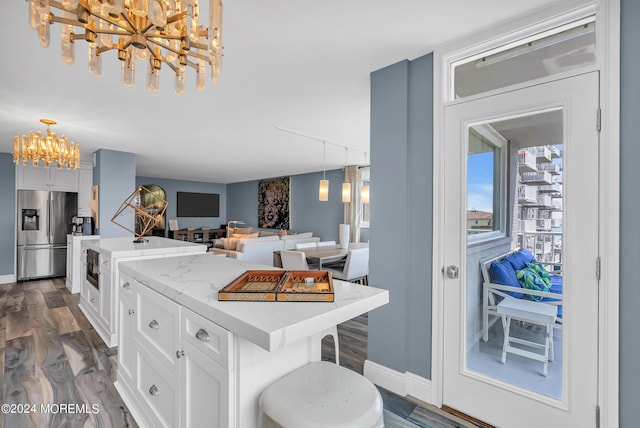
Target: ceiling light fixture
(323, 190)
(364, 191)
(346, 186)
(37, 147)
(156, 31)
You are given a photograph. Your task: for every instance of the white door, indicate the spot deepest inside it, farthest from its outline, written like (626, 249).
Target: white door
(484, 218)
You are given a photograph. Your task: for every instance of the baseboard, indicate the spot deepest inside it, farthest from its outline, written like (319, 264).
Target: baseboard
(399, 383)
(6, 279)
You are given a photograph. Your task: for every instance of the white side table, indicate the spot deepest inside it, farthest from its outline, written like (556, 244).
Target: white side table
(533, 312)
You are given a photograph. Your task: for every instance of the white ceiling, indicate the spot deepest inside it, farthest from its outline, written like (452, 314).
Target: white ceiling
(296, 64)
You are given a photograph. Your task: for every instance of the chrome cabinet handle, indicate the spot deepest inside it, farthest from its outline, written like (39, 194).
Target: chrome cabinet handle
(126, 285)
(154, 391)
(131, 312)
(179, 354)
(154, 325)
(202, 335)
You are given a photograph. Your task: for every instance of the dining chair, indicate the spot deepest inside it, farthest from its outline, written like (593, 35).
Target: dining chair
(302, 245)
(356, 267)
(325, 243)
(293, 260)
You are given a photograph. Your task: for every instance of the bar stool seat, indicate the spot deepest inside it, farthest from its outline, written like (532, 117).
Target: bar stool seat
(322, 395)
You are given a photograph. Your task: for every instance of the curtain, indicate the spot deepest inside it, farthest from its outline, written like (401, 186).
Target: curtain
(353, 175)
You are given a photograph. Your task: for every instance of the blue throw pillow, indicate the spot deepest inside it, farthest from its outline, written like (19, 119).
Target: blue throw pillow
(503, 273)
(520, 259)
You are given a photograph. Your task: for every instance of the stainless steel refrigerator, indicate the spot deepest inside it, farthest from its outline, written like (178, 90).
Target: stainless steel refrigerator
(44, 220)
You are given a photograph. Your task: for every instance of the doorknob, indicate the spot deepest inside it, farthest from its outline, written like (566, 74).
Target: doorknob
(452, 271)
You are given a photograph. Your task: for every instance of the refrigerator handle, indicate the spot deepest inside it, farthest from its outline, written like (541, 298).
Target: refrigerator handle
(49, 202)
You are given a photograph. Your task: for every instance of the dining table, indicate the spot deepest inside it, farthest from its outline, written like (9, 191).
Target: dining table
(317, 256)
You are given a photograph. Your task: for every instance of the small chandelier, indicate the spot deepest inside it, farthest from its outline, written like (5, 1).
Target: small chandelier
(49, 148)
(155, 31)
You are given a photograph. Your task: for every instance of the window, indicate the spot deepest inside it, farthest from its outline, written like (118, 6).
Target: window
(486, 183)
(558, 50)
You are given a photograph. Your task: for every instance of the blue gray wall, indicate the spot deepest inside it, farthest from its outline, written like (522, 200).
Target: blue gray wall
(115, 174)
(401, 206)
(307, 213)
(7, 214)
(171, 187)
(629, 209)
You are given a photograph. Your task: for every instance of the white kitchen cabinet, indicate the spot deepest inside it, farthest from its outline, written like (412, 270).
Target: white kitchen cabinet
(206, 391)
(41, 178)
(173, 364)
(105, 316)
(127, 327)
(76, 261)
(85, 182)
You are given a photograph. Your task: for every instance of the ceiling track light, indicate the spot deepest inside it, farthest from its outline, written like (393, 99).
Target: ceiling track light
(323, 190)
(346, 186)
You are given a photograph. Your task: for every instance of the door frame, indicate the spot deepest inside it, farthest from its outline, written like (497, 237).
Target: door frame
(608, 52)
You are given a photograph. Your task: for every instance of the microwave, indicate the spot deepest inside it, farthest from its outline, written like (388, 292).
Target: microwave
(93, 268)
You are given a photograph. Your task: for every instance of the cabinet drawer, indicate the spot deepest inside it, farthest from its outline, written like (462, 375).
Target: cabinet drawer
(158, 391)
(159, 326)
(93, 297)
(213, 340)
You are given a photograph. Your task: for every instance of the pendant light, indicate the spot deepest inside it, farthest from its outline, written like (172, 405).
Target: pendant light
(346, 186)
(364, 192)
(323, 192)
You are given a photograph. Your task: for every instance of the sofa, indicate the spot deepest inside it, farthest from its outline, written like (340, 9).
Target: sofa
(260, 249)
(519, 275)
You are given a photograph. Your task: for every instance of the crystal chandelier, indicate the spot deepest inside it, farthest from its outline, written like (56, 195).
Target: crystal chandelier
(155, 31)
(49, 148)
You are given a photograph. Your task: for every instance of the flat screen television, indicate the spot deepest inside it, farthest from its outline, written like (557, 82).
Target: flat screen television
(190, 204)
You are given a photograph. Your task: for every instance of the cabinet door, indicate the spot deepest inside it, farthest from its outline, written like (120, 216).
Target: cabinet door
(85, 182)
(127, 326)
(63, 179)
(206, 391)
(30, 177)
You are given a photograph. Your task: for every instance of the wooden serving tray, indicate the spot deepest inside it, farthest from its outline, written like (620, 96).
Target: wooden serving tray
(253, 285)
(306, 286)
(281, 286)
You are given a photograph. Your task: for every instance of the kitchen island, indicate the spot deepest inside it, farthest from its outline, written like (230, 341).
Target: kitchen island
(188, 360)
(100, 260)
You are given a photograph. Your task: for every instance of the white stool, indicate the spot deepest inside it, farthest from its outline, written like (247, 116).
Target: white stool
(322, 395)
(533, 312)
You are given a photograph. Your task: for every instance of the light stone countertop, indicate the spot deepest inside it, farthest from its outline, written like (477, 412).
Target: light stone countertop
(125, 247)
(193, 281)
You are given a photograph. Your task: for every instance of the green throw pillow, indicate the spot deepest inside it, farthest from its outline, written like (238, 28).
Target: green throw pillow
(529, 278)
(541, 271)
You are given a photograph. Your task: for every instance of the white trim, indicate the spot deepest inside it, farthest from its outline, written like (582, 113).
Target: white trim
(610, 215)
(6, 279)
(402, 384)
(608, 45)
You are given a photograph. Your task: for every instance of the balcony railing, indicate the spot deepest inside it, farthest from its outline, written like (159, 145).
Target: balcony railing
(545, 246)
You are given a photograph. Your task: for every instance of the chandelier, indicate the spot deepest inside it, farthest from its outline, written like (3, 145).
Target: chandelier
(37, 147)
(156, 31)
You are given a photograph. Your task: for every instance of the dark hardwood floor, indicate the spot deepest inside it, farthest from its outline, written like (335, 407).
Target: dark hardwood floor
(54, 362)
(58, 372)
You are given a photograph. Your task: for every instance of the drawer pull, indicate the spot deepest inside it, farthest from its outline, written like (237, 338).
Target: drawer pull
(179, 354)
(131, 312)
(154, 391)
(126, 285)
(154, 325)
(92, 300)
(202, 335)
